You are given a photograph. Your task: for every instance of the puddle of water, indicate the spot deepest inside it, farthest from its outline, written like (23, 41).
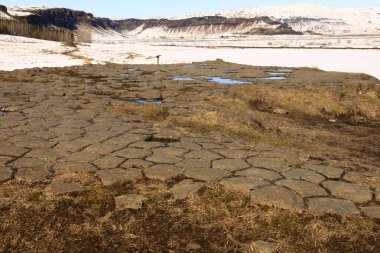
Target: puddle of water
(220, 80)
(276, 73)
(2, 114)
(144, 101)
(274, 78)
(132, 69)
(179, 78)
(285, 70)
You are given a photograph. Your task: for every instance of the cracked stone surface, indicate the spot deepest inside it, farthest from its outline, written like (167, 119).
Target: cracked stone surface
(119, 176)
(129, 201)
(328, 205)
(354, 192)
(186, 188)
(50, 135)
(277, 196)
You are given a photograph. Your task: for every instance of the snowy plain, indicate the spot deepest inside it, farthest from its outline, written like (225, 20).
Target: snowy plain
(19, 52)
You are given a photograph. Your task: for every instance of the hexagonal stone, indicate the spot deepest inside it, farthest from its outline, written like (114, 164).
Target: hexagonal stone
(82, 156)
(5, 174)
(12, 151)
(29, 163)
(348, 191)
(277, 196)
(147, 144)
(186, 145)
(306, 175)
(203, 154)
(44, 154)
(5, 159)
(261, 173)
(136, 163)
(193, 163)
(371, 211)
(328, 205)
(243, 184)
(108, 162)
(74, 167)
(361, 177)
(129, 201)
(171, 151)
(230, 164)
(133, 153)
(61, 188)
(162, 172)
(206, 174)
(33, 175)
(70, 146)
(236, 153)
(119, 176)
(275, 164)
(303, 188)
(186, 188)
(163, 159)
(126, 139)
(327, 171)
(101, 148)
(167, 136)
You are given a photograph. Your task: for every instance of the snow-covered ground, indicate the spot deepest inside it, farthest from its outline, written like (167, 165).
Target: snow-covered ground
(19, 52)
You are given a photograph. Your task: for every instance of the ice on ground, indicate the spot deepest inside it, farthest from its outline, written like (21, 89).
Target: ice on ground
(19, 52)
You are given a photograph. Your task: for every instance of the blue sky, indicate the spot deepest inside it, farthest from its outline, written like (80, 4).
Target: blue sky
(168, 8)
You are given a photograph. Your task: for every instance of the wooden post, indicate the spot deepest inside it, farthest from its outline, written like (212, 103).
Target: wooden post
(158, 59)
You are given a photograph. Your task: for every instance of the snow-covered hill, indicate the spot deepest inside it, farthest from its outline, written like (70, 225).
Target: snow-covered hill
(315, 18)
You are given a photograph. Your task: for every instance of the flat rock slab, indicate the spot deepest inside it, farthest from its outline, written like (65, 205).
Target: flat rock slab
(74, 167)
(129, 201)
(163, 159)
(243, 184)
(236, 153)
(136, 163)
(186, 145)
(29, 163)
(119, 176)
(61, 188)
(260, 173)
(147, 144)
(328, 205)
(207, 174)
(170, 151)
(33, 175)
(203, 154)
(350, 191)
(230, 164)
(5, 174)
(133, 153)
(377, 192)
(306, 175)
(12, 151)
(275, 164)
(162, 172)
(44, 154)
(167, 136)
(109, 162)
(303, 188)
(262, 247)
(186, 188)
(190, 163)
(371, 211)
(327, 171)
(277, 196)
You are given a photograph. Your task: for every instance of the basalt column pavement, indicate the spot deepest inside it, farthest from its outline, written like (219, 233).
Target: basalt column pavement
(55, 121)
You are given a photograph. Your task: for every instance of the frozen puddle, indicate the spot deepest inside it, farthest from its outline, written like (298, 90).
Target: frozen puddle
(144, 101)
(274, 78)
(180, 78)
(220, 80)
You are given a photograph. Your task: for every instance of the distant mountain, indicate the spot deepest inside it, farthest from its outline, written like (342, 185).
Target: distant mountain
(313, 18)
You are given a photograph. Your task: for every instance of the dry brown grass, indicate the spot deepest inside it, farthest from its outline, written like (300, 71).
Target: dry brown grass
(216, 220)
